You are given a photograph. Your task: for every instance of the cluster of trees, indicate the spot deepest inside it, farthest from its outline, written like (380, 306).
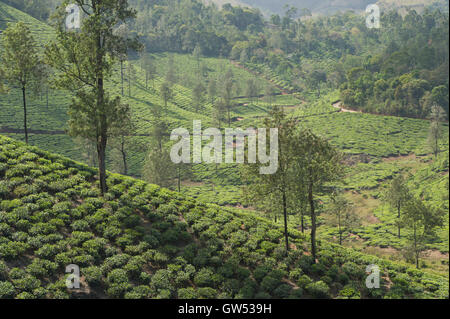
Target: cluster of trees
(419, 218)
(181, 26)
(306, 164)
(410, 74)
(84, 61)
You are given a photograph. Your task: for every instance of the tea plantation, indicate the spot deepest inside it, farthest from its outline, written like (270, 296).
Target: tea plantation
(142, 241)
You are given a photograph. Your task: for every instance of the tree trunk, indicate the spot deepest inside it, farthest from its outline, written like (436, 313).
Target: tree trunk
(179, 178)
(313, 222)
(416, 252)
(102, 128)
(302, 223)
(436, 149)
(25, 114)
(121, 74)
(124, 159)
(47, 96)
(129, 84)
(340, 232)
(286, 237)
(101, 152)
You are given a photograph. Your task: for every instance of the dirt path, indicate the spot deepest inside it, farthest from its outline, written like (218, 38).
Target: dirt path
(338, 104)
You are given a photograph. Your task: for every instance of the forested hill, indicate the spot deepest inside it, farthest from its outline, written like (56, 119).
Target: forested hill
(332, 6)
(143, 241)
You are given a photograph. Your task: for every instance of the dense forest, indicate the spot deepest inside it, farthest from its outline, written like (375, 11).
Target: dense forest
(400, 72)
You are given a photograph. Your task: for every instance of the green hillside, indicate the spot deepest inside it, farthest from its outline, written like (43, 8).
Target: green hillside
(208, 240)
(143, 241)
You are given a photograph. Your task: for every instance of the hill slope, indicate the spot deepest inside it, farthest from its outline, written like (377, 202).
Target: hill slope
(142, 241)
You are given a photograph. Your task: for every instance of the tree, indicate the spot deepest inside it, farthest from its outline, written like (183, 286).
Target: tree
(2, 75)
(19, 61)
(87, 149)
(197, 53)
(212, 90)
(123, 32)
(343, 214)
(277, 186)
(269, 93)
(439, 95)
(219, 108)
(131, 70)
(421, 220)
(227, 94)
(158, 168)
(297, 199)
(171, 74)
(316, 78)
(160, 128)
(166, 93)
(397, 195)
(317, 163)
(150, 70)
(85, 60)
(183, 171)
(251, 89)
(42, 82)
(435, 132)
(122, 140)
(197, 95)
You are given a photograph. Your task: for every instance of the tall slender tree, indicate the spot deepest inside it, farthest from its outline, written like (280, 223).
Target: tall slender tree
(343, 214)
(20, 61)
(275, 186)
(319, 163)
(397, 195)
(84, 60)
(131, 76)
(166, 93)
(435, 133)
(421, 220)
(212, 90)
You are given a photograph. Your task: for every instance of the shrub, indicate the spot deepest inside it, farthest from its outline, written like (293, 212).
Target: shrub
(187, 293)
(203, 277)
(3, 271)
(269, 283)
(296, 293)
(6, 290)
(80, 225)
(13, 249)
(163, 294)
(282, 291)
(318, 289)
(161, 280)
(93, 275)
(262, 295)
(41, 267)
(207, 292)
(260, 272)
(349, 292)
(139, 292)
(304, 281)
